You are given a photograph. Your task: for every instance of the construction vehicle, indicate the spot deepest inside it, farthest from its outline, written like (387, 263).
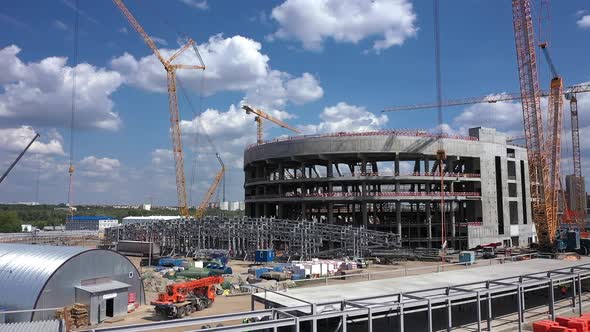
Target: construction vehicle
(263, 115)
(203, 205)
(172, 100)
(184, 298)
(18, 158)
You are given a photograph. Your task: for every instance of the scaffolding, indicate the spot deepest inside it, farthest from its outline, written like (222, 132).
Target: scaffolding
(242, 237)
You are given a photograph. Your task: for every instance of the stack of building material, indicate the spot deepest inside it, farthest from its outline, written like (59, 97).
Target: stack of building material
(79, 314)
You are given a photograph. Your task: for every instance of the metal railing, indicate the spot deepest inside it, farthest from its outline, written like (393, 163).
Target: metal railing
(370, 194)
(369, 174)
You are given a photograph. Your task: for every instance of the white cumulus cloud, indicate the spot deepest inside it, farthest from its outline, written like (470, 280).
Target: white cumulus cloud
(389, 22)
(92, 166)
(39, 93)
(16, 139)
(345, 117)
(233, 64)
(304, 89)
(584, 21)
(202, 4)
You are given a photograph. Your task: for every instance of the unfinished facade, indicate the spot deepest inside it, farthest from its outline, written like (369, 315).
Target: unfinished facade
(389, 181)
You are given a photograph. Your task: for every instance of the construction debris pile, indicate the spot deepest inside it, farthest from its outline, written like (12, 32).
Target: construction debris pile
(242, 237)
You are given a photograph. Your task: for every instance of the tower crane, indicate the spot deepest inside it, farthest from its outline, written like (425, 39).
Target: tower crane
(172, 99)
(491, 99)
(263, 115)
(579, 192)
(543, 207)
(203, 205)
(553, 140)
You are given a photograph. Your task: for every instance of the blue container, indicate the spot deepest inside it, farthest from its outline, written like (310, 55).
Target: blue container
(297, 276)
(467, 257)
(265, 256)
(257, 272)
(169, 262)
(278, 268)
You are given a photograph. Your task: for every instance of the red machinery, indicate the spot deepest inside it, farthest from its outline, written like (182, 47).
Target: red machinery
(184, 298)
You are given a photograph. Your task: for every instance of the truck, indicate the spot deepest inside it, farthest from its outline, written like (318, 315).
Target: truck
(184, 298)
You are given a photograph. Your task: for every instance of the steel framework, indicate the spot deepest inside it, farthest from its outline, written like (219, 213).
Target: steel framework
(242, 237)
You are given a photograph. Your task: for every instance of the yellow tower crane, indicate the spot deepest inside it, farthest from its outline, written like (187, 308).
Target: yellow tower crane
(263, 115)
(172, 100)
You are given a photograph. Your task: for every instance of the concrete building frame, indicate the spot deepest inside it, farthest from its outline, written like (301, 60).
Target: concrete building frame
(389, 181)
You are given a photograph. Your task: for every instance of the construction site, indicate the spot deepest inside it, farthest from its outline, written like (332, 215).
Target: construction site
(360, 230)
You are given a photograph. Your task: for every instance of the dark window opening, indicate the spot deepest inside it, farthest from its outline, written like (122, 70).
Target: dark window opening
(523, 193)
(499, 197)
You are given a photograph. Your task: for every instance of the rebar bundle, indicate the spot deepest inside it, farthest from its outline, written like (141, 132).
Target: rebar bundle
(242, 237)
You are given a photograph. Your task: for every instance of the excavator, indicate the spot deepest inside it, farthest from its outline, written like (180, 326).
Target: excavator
(203, 205)
(184, 298)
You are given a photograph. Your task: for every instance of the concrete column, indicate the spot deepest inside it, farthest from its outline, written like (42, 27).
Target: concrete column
(429, 222)
(426, 164)
(256, 210)
(248, 209)
(281, 172)
(364, 214)
(303, 169)
(330, 170)
(453, 221)
(280, 211)
(396, 164)
(330, 212)
(265, 210)
(398, 217)
(303, 212)
(280, 188)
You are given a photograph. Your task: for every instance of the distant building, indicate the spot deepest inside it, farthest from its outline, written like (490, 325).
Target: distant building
(90, 223)
(224, 206)
(26, 228)
(139, 219)
(146, 207)
(237, 206)
(54, 228)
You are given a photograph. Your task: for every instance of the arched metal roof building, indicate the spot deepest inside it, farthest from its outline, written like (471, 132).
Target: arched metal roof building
(37, 276)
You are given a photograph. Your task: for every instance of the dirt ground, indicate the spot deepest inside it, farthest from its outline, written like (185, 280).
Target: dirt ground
(241, 303)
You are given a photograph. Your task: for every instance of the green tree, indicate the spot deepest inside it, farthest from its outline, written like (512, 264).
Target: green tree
(9, 222)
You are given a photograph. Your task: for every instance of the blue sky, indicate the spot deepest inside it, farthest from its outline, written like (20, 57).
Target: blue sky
(306, 62)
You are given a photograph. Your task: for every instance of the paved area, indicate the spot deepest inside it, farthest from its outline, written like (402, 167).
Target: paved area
(366, 289)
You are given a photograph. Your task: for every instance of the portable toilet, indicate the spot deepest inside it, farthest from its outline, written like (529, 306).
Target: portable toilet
(264, 255)
(467, 257)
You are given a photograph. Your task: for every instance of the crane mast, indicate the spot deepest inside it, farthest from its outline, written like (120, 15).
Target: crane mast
(203, 205)
(544, 212)
(172, 101)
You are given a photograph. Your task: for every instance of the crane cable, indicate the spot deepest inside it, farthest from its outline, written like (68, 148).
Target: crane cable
(440, 151)
(72, 119)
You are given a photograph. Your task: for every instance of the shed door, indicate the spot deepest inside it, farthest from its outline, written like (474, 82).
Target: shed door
(102, 309)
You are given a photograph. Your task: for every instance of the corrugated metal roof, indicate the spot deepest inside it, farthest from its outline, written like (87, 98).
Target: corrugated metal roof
(103, 287)
(36, 326)
(24, 270)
